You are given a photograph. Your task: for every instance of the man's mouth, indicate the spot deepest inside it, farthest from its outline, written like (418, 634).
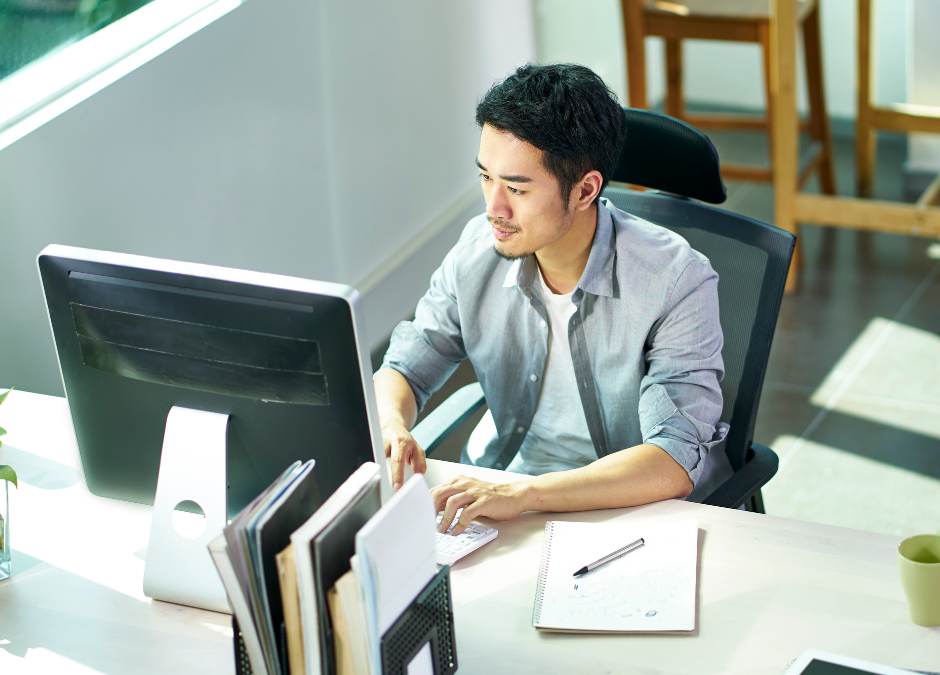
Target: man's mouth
(500, 231)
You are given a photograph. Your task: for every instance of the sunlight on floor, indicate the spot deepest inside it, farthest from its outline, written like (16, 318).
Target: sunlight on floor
(836, 487)
(897, 385)
(880, 404)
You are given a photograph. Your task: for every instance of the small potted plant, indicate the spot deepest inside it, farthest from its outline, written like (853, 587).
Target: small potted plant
(7, 476)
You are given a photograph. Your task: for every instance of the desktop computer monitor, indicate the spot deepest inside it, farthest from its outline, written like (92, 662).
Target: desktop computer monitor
(283, 357)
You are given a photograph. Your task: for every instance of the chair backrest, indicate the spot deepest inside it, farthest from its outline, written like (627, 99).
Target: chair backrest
(663, 153)
(751, 259)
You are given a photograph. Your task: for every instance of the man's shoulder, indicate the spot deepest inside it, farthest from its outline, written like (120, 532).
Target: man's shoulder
(652, 249)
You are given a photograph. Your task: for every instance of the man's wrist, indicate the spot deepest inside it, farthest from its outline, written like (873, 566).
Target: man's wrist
(526, 495)
(392, 422)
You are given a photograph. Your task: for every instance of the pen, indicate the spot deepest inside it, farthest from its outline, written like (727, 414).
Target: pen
(607, 558)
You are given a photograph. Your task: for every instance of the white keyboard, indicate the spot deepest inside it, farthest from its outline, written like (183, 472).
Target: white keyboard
(450, 549)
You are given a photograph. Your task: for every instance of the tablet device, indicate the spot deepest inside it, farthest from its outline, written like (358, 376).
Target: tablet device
(815, 662)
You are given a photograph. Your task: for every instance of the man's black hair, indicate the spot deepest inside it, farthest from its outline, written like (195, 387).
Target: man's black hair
(566, 111)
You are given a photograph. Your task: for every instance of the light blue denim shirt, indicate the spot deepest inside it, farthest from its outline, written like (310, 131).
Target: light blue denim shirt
(645, 342)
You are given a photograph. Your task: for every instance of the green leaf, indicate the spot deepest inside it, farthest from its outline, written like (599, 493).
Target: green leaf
(3, 431)
(3, 397)
(7, 473)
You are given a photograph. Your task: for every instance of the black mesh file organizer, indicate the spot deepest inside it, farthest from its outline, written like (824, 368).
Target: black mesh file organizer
(242, 667)
(429, 618)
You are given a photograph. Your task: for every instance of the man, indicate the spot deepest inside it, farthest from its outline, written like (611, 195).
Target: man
(594, 334)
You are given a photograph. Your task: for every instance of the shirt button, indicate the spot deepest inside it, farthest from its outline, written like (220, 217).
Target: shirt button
(520, 430)
(533, 377)
(499, 465)
(542, 324)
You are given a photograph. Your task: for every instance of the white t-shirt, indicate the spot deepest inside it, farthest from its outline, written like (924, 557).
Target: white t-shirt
(558, 438)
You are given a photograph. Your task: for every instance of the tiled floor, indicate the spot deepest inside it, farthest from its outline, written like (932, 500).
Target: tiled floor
(851, 402)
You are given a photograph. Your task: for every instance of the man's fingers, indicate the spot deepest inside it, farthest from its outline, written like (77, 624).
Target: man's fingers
(405, 451)
(454, 504)
(442, 493)
(470, 511)
(419, 460)
(398, 468)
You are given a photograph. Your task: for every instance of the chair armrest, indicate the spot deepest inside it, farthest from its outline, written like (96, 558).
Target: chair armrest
(443, 420)
(749, 479)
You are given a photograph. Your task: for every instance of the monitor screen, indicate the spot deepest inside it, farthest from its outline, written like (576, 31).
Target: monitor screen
(283, 357)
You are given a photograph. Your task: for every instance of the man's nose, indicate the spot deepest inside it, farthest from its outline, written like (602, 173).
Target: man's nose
(497, 206)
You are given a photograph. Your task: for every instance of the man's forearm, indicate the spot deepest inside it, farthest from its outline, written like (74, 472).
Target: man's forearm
(394, 398)
(637, 475)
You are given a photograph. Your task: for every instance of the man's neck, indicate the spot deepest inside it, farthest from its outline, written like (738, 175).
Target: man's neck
(563, 262)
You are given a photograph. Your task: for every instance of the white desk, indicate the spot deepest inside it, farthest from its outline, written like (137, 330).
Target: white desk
(768, 587)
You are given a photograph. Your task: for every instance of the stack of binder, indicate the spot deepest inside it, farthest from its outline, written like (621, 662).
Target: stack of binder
(349, 587)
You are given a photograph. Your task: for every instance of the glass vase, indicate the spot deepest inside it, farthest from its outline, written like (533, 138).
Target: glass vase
(5, 551)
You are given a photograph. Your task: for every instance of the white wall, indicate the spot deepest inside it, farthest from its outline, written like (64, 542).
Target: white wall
(723, 73)
(314, 139)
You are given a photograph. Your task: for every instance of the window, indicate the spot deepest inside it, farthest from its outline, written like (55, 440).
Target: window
(31, 29)
(56, 53)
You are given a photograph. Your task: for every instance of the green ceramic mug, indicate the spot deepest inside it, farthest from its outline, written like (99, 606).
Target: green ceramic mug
(919, 567)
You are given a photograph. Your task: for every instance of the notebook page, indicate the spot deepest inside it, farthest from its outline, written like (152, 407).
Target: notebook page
(651, 589)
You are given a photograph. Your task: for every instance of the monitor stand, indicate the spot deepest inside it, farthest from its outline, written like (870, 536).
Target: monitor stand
(192, 468)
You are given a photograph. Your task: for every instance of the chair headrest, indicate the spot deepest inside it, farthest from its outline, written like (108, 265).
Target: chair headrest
(663, 153)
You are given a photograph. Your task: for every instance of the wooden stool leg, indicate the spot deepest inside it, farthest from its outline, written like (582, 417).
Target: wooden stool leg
(675, 104)
(634, 34)
(819, 119)
(784, 124)
(865, 147)
(769, 98)
(772, 102)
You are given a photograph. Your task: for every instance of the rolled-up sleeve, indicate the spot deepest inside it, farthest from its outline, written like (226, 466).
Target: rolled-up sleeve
(680, 398)
(428, 350)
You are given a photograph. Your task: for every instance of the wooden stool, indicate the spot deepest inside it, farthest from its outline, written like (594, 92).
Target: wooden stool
(897, 117)
(738, 21)
(791, 206)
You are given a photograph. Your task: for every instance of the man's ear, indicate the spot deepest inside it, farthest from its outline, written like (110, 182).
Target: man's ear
(587, 189)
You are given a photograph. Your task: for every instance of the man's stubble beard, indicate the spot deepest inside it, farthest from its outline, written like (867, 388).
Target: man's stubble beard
(565, 222)
(500, 223)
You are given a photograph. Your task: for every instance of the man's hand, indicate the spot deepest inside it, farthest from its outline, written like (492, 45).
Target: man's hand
(403, 449)
(638, 475)
(397, 413)
(500, 501)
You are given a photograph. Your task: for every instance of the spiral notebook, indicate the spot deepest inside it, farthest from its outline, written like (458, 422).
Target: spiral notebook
(651, 590)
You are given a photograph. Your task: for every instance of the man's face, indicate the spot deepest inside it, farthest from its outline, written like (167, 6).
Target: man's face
(523, 204)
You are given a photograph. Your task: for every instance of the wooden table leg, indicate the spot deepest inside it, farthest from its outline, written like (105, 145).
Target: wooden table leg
(634, 35)
(865, 146)
(784, 121)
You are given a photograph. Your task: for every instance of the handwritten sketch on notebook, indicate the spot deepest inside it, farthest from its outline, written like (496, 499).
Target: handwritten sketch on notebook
(651, 589)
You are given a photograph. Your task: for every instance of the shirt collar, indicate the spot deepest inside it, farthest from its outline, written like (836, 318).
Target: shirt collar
(598, 274)
(521, 273)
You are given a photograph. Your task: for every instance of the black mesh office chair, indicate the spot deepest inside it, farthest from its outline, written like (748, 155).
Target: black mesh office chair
(751, 258)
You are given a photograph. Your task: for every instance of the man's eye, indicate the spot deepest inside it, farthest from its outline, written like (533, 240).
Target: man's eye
(513, 190)
(484, 176)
